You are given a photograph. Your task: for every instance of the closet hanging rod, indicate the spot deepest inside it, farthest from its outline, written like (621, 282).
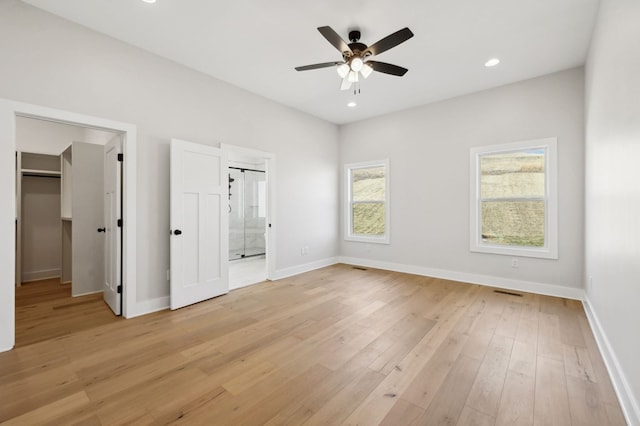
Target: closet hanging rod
(39, 175)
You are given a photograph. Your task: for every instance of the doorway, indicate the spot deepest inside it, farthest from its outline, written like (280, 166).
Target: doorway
(10, 113)
(60, 256)
(251, 216)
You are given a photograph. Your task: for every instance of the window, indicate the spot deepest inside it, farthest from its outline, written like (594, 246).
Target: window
(514, 204)
(367, 202)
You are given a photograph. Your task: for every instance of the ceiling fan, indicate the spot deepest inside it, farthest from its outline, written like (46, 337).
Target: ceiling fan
(356, 56)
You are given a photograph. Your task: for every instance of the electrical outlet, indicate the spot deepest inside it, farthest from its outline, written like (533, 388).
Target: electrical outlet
(514, 262)
(590, 284)
(304, 250)
(168, 274)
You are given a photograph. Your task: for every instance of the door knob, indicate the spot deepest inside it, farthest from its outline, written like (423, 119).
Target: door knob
(102, 229)
(177, 232)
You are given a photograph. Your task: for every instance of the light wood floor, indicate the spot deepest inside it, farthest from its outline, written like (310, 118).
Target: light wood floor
(46, 310)
(334, 346)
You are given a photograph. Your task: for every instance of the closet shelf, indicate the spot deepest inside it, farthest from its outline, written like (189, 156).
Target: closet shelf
(40, 172)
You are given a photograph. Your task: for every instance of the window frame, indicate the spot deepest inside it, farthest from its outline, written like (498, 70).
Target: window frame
(348, 233)
(550, 248)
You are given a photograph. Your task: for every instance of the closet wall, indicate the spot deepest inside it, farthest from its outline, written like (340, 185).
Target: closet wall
(39, 213)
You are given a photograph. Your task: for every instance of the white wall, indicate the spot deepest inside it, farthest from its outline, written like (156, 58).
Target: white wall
(41, 232)
(49, 61)
(613, 192)
(46, 137)
(428, 150)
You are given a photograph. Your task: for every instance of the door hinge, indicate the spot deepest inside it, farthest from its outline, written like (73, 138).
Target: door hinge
(119, 223)
(120, 157)
(120, 289)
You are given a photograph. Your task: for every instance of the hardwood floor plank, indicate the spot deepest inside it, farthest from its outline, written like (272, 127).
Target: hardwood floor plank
(446, 407)
(340, 406)
(597, 364)
(577, 363)
(551, 398)
(585, 404)
(49, 413)
(549, 341)
(516, 404)
(487, 388)
(523, 358)
(403, 413)
(472, 417)
(509, 319)
(428, 381)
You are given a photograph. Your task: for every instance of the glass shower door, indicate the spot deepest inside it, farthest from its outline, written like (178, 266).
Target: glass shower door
(247, 213)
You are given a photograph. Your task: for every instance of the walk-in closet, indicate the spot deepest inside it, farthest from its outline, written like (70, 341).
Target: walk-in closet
(59, 204)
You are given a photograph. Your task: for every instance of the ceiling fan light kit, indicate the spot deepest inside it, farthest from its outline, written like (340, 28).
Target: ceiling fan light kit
(355, 56)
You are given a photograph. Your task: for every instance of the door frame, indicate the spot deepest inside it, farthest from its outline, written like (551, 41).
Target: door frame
(270, 173)
(9, 110)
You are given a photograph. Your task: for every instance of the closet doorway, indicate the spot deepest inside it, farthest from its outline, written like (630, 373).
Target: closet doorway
(251, 216)
(10, 113)
(60, 183)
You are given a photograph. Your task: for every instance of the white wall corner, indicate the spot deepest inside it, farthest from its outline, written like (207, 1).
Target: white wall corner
(628, 401)
(305, 267)
(485, 280)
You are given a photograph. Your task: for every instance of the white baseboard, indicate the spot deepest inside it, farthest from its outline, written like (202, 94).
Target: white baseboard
(43, 274)
(305, 267)
(149, 306)
(486, 280)
(628, 402)
(87, 293)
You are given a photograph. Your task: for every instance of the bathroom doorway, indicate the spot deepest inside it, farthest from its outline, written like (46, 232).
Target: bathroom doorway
(250, 210)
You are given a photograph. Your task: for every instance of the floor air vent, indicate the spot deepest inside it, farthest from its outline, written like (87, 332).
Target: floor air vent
(359, 268)
(507, 292)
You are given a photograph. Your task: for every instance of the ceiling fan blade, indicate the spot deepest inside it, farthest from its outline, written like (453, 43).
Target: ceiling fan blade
(333, 38)
(385, 68)
(316, 66)
(390, 41)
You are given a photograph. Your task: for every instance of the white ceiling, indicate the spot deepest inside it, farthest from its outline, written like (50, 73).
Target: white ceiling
(255, 44)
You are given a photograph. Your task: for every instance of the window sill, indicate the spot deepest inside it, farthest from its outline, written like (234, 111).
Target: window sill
(363, 239)
(540, 253)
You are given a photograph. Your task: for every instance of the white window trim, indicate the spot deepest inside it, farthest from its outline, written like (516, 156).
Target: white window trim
(382, 239)
(550, 249)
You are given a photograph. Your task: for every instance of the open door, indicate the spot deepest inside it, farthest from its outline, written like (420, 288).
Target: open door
(113, 224)
(199, 223)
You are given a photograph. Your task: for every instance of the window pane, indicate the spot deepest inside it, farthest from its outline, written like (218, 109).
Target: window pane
(368, 219)
(513, 223)
(513, 174)
(368, 184)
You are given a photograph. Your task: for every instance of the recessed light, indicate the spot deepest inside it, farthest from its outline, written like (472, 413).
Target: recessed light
(492, 62)
(149, 1)
(352, 104)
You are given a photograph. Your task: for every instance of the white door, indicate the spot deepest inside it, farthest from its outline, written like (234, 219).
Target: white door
(199, 223)
(113, 232)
